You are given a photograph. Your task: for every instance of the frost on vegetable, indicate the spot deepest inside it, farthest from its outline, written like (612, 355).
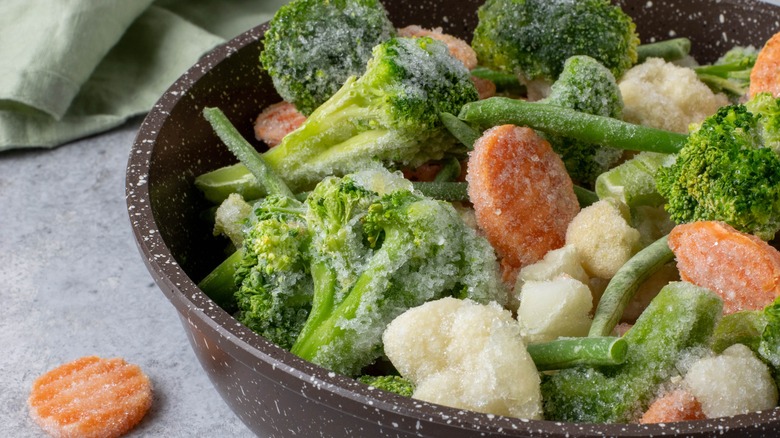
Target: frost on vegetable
(680, 319)
(389, 115)
(561, 261)
(734, 382)
(585, 85)
(488, 370)
(313, 46)
(666, 96)
(230, 218)
(603, 238)
(374, 256)
(554, 308)
(533, 38)
(274, 285)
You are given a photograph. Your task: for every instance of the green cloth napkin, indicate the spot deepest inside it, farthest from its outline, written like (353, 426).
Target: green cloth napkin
(72, 68)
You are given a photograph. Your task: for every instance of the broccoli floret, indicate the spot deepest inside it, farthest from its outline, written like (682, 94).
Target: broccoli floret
(275, 288)
(394, 384)
(371, 263)
(726, 170)
(730, 74)
(585, 85)
(533, 38)
(729, 170)
(372, 246)
(389, 115)
(311, 47)
(680, 318)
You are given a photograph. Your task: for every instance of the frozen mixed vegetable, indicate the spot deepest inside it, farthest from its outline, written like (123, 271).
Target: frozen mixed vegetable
(551, 221)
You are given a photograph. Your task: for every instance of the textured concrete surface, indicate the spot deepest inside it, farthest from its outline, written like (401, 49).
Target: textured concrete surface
(72, 283)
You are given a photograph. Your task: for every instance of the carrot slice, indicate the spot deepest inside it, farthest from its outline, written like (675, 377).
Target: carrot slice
(276, 121)
(458, 48)
(677, 405)
(741, 268)
(523, 198)
(765, 76)
(90, 397)
(485, 87)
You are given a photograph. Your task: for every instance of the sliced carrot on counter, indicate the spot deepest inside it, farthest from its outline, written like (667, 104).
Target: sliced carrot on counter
(741, 268)
(765, 75)
(677, 405)
(522, 196)
(276, 121)
(90, 397)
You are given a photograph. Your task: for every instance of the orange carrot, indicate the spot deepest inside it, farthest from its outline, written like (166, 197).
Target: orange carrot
(458, 48)
(90, 397)
(276, 121)
(677, 405)
(485, 87)
(523, 198)
(741, 268)
(765, 76)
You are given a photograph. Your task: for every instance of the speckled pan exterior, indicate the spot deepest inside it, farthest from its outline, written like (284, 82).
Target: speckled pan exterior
(273, 392)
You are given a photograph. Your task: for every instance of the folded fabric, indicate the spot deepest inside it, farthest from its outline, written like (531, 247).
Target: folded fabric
(72, 68)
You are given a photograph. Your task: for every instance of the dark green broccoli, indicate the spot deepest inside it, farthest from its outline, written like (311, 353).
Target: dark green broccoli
(680, 319)
(727, 169)
(389, 115)
(533, 38)
(730, 74)
(372, 263)
(394, 384)
(587, 86)
(311, 47)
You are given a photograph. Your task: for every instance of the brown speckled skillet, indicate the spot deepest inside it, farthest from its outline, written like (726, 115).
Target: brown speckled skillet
(273, 392)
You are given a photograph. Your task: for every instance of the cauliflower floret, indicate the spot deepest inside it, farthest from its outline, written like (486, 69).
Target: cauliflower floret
(465, 355)
(666, 96)
(230, 216)
(559, 261)
(736, 382)
(602, 237)
(554, 308)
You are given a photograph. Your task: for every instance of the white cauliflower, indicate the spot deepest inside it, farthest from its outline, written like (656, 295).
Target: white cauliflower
(230, 216)
(666, 96)
(561, 261)
(465, 355)
(735, 382)
(555, 308)
(603, 238)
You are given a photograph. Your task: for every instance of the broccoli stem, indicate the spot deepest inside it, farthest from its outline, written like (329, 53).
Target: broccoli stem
(569, 123)
(220, 283)
(570, 352)
(246, 153)
(668, 50)
(625, 283)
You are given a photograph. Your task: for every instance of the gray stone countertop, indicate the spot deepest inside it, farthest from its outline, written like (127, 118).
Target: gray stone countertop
(73, 284)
